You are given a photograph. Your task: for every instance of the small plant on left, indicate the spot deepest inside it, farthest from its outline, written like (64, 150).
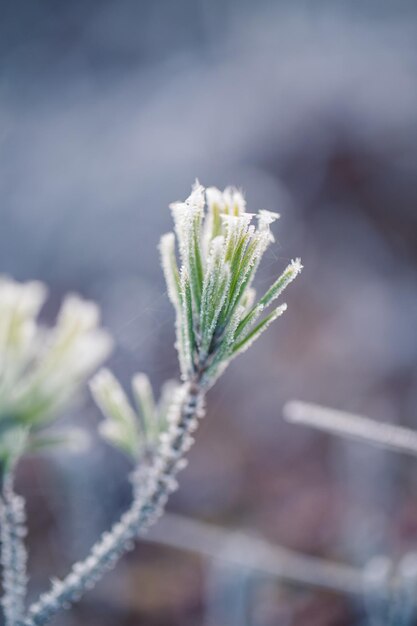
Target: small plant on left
(41, 370)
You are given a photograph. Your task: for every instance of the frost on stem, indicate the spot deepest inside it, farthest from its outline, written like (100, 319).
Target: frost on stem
(217, 318)
(13, 554)
(152, 487)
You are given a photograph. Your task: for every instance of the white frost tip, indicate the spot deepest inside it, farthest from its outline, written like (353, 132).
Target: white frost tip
(141, 382)
(267, 217)
(234, 201)
(194, 203)
(296, 266)
(214, 196)
(78, 313)
(104, 379)
(196, 199)
(167, 242)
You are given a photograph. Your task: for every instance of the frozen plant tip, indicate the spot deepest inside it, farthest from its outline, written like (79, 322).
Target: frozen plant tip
(134, 430)
(209, 263)
(220, 249)
(41, 369)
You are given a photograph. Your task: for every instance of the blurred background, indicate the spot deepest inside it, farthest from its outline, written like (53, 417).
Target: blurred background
(108, 112)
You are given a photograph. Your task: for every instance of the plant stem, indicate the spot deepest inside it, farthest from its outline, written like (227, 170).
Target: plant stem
(152, 487)
(13, 552)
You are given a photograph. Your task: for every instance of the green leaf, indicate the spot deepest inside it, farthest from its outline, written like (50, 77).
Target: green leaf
(188, 321)
(13, 444)
(120, 438)
(249, 319)
(196, 264)
(121, 427)
(288, 275)
(145, 402)
(243, 276)
(170, 268)
(252, 336)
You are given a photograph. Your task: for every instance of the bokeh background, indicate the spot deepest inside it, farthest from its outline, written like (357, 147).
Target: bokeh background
(108, 112)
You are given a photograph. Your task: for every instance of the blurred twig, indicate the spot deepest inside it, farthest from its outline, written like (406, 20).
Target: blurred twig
(253, 553)
(353, 426)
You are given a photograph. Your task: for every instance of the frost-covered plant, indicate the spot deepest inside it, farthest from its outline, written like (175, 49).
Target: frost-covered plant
(41, 369)
(134, 430)
(218, 316)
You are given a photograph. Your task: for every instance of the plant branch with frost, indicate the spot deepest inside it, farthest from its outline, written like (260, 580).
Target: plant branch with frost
(41, 370)
(209, 283)
(13, 553)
